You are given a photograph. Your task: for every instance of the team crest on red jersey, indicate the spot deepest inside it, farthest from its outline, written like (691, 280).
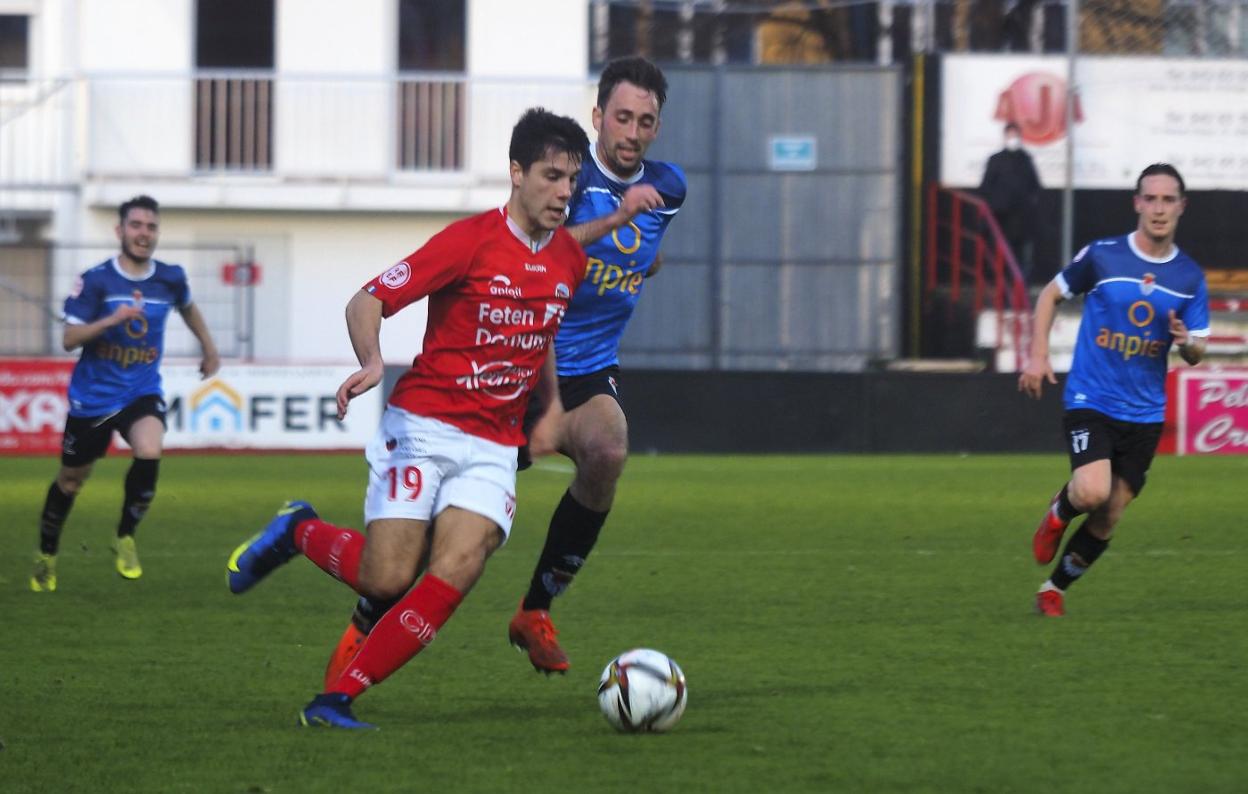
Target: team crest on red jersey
(1148, 283)
(396, 276)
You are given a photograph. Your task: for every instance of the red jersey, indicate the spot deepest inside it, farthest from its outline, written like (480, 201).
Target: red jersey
(495, 304)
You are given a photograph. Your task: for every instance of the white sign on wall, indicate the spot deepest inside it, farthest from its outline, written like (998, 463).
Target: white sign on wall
(1130, 112)
(265, 407)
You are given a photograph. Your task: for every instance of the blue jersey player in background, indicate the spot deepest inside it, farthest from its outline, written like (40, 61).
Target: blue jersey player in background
(622, 206)
(1141, 296)
(116, 314)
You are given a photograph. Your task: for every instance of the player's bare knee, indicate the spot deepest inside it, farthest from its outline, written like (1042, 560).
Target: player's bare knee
(462, 563)
(603, 460)
(384, 584)
(1089, 497)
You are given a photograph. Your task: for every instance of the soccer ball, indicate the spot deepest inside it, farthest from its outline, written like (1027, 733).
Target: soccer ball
(642, 691)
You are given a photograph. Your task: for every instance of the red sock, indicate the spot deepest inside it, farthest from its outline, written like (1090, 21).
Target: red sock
(403, 632)
(334, 549)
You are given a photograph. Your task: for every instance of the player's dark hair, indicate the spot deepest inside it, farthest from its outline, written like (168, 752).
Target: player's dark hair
(635, 70)
(539, 131)
(138, 202)
(1161, 169)
(1014, 127)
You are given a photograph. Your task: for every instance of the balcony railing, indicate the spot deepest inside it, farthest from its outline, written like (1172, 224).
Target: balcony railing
(430, 125)
(333, 130)
(233, 123)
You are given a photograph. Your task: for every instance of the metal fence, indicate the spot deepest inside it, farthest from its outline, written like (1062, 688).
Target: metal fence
(767, 268)
(35, 279)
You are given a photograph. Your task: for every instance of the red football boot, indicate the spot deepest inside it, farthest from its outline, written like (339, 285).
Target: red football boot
(532, 631)
(1048, 535)
(1049, 603)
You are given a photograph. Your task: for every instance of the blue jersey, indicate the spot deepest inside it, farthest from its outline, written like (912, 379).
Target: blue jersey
(589, 338)
(1124, 337)
(123, 363)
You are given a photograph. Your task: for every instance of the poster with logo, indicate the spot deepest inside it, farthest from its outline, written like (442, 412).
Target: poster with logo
(33, 405)
(265, 407)
(1129, 112)
(1207, 412)
(242, 407)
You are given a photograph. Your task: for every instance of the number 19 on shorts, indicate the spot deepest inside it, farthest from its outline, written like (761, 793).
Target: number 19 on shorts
(405, 483)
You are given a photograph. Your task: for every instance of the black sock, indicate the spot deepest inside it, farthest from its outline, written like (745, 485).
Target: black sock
(140, 488)
(573, 532)
(1081, 551)
(52, 520)
(1065, 510)
(369, 610)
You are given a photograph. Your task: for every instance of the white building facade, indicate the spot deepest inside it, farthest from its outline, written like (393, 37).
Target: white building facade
(327, 156)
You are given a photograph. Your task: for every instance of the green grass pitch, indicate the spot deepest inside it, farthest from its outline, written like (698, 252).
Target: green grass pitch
(856, 624)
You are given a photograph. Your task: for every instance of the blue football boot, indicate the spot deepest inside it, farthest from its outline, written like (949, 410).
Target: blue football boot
(258, 556)
(331, 710)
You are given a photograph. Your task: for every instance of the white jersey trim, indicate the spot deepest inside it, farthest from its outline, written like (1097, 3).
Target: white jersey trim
(1156, 260)
(1060, 281)
(609, 174)
(534, 245)
(1157, 287)
(151, 269)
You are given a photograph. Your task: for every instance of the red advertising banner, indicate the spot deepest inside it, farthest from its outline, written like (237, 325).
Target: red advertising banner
(33, 405)
(1207, 412)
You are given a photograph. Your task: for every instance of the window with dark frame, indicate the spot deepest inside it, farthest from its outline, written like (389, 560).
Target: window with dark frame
(234, 113)
(431, 36)
(14, 42)
(430, 108)
(234, 34)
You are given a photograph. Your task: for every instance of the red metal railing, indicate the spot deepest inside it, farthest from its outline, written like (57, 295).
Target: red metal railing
(964, 241)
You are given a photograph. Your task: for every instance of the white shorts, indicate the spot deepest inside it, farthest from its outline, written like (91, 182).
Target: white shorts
(418, 467)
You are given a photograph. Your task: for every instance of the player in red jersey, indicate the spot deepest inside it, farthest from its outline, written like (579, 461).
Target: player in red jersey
(442, 467)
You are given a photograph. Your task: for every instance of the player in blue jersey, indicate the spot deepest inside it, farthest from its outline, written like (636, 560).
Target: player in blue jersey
(1141, 296)
(116, 313)
(622, 248)
(622, 206)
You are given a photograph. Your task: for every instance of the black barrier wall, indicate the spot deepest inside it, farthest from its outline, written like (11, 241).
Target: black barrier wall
(751, 412)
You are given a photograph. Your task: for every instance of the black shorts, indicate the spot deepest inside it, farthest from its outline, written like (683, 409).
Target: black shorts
(574, 391)
(86, 437)
(1128, 446)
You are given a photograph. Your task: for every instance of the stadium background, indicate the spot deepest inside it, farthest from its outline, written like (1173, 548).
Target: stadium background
(848, 622)
(829, 159)
(830, 162)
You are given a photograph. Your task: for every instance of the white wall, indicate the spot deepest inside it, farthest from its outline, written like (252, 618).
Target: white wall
(311, 265)
(331, 37)
(537, 38)
(136, 35)
(136, 126)
(315, 244)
